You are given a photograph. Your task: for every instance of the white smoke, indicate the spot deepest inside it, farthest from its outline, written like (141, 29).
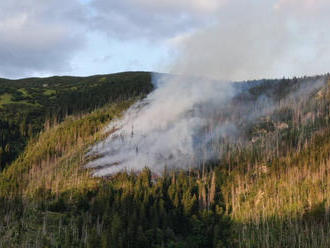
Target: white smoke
(259, 39)
(185, 122)
(173, 127)
(181, 122)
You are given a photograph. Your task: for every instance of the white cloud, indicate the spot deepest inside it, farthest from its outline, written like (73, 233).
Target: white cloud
(308, 5)
(39, 36)
(152, 20)
(188, 6)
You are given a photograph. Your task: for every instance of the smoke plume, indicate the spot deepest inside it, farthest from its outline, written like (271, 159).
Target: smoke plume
(181, 123)
(259, 39)
(167, 128)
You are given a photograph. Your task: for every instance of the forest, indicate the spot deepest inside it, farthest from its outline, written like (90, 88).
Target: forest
(27, 104)
(269, 188)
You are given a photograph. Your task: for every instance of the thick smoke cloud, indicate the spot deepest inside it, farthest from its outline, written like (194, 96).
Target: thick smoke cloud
(260, 39)
(168, 128)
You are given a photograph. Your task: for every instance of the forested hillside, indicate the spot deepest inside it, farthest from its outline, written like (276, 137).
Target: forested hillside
(26, 105)
(269, 188)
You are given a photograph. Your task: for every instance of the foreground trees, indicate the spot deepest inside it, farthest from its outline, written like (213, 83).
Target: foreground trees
(127, 211)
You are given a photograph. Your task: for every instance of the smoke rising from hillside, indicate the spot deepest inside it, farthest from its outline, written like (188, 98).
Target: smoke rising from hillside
(181, 122)
(184, 122)
(167, 128)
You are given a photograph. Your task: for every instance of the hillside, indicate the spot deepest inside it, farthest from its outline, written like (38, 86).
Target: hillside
(26, 105)
(270, 186)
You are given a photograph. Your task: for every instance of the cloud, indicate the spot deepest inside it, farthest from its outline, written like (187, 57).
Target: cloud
(42, 37)
(152, 20)
(39, 36)
(307, 5)
(233, 39)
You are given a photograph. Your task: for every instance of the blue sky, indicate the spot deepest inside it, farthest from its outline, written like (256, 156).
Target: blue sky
(227, 39)
(114, 55)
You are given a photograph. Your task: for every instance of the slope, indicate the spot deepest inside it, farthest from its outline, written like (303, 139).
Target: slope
(269, 189)
(26, 104)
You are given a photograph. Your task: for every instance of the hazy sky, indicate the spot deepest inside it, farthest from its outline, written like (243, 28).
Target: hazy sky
(232, 39)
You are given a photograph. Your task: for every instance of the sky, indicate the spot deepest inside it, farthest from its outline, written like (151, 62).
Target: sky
(225, 39)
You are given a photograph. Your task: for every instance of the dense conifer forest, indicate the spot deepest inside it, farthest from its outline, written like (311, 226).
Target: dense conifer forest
(269, 188)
